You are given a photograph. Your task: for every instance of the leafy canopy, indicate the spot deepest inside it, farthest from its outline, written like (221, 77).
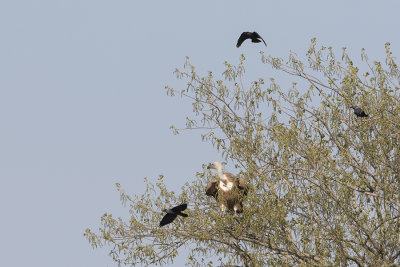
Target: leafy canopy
(324, 183)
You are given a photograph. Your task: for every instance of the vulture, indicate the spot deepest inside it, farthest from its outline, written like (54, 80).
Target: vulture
(173, 213)
(359, 112)
(227, 190)
(254, 36)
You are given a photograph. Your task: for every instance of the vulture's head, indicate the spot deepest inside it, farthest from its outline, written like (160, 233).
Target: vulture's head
(215, 165)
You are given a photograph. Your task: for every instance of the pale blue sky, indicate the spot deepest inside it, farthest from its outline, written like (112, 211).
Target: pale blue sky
(82, 101)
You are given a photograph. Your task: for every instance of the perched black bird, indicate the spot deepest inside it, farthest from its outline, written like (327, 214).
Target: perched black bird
(255, 38)
(359, 112)
(173, 213)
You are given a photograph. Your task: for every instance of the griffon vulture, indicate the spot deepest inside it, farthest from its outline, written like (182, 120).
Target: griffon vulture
(227, 190)
(173, 213)
(254, 36)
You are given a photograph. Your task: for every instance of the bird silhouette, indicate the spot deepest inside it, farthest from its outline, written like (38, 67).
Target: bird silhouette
(254, 36)
(359, 112)
(173, 213)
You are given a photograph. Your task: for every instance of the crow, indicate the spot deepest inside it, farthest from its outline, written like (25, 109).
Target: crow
(255, 38)
(359, 112)
(172, 214)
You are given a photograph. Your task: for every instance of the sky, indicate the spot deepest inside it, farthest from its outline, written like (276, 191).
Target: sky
(83, 104)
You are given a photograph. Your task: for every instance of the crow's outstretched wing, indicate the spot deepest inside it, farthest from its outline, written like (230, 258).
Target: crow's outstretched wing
(179, 208)
(259, 36)
(168, 218)
(242, 38)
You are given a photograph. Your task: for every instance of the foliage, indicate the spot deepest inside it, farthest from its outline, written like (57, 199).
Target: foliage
(324, 183)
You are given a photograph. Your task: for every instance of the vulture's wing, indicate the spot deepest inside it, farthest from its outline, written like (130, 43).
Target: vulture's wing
(242, 38)
(168, 218)
(243, 185)
(259, 36)
(212, 189)
(179, 208)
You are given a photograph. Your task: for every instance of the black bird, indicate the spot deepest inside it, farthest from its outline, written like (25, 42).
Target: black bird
(172, 214)
(255, 38)
(359, 112)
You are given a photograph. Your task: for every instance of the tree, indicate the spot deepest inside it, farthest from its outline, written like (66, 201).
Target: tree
(324, 184)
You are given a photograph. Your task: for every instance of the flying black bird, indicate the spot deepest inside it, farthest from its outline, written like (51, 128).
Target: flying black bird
(255, 38)
(359, 112)
(172, 214)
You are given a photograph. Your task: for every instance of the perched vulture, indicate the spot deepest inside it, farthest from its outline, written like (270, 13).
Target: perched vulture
(255, 38)
(173, 213)
(359, 112)
(227, 190)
